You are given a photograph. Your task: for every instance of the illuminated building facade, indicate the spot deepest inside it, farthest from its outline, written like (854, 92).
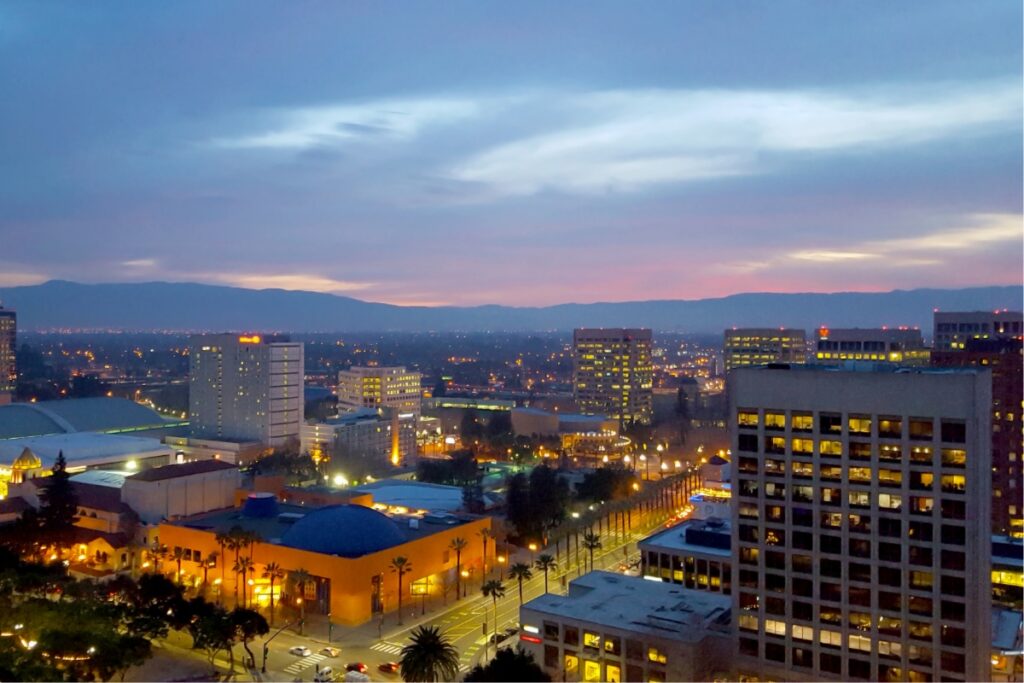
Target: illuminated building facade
(1003, 357)
(952, 329)
(902, 345)
(611, 627)
(364, 434)
(695, 553)
(760, 346)
(379, 388)
(862, 500)
(8, 346)
(245, 388)
(613, 374)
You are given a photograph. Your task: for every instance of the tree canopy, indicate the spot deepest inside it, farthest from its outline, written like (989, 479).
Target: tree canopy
(509, 665)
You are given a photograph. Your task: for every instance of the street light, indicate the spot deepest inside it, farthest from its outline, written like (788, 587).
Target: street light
(533, 551)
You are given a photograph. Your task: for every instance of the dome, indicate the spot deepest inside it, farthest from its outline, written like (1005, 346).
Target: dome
(260, 504)
(344, 530)
(27, 461)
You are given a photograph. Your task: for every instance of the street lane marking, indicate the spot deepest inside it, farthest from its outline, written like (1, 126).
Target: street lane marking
(304, 664)
(387, 647)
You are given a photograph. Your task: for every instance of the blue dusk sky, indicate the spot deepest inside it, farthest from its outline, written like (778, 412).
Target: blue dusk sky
(513, 152)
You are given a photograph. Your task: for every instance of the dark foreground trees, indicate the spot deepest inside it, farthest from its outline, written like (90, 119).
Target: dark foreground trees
(509, 665)
(429, 656)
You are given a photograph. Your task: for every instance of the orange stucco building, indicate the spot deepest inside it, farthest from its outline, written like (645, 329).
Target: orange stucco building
(347, 549)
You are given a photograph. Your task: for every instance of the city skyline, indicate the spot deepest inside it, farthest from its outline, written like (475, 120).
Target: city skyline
(398, 156)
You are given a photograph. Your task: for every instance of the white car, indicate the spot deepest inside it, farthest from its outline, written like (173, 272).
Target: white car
(300, 650)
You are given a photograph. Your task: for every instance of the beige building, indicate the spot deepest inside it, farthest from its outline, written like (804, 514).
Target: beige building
(615, 628)
(861, 509)
(613, 374)
(953, 329)
(364, 434)
(175, 491)
(903, 345)
(245, 388)
(760, 346)
(379, 388)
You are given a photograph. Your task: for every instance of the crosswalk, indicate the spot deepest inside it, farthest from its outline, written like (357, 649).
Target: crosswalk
(387, 647)
(304, 664)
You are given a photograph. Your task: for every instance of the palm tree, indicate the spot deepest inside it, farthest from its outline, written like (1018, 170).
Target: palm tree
(235, 537)
(178, 555)
(458, 545)
(273, 572)
(520, 572)
(222, 540)
(251, 539)
(546, 563)
(591, 542)
(429, 656)
(485, 535)
(494, 589)
(208, 561)
(243, 566)
(299, 578)
(158, 551)
(401, 566)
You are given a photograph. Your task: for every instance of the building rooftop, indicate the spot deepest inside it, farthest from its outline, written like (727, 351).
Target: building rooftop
(111, 478)
(858, 367)
(332, 529)
(183, 470)
(631, 603)
(414, 495)
(82, 448)
(1006, 630)
(708, 537)
(98, 414)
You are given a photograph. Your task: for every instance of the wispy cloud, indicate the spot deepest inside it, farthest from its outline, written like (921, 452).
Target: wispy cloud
(625, 140)
(141, 263)
(310, 283)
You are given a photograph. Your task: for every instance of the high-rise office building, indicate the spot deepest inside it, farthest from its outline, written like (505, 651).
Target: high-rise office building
(245, 388)
(902, 345)
(1003, 358)
(8, 346)
(379, 388)
(952, 329)
(613, 374)
(760, 346)
(862, 500)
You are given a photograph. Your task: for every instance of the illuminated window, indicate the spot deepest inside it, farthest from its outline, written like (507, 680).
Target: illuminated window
(830, 638)
(803, 446)
(803, 632)
(830, 448)
(775, 421)
(859, 424)
(591, 639)
(890, 478)
(614, 673)
(747, 419)
(860, 475)
(860, 643)
(654, 655)
(953, 483)
(591, 670)
(748, 622)
(890, 501)
(572, 665)
(775, 627)
(802, 422)
(890, 452)
(954, 457)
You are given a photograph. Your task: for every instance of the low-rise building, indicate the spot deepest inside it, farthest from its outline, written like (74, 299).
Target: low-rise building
(760, 346)
(695, 553)
(611, 627)
(175, 491)
(902, 345)
(380, 388)
(365, 434)
(953, 329)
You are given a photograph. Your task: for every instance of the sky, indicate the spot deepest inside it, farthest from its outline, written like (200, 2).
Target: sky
(526, 153)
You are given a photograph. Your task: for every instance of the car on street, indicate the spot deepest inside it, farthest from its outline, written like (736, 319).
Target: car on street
(324, 675)
(389, 667)
(330, 651)
(300, 651)
(504, 635)
(356, 666)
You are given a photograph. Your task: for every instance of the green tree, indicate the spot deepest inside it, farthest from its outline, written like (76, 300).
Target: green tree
(429, 656)
(58, 505)
(545, 563)
(494, 589)
(300, 578)
(273, 572)
(212, 631)
(508, 665)
(458, 545)
(591, 542)
(223, 540)
(209, 561)
(400, 566)
(485, 535)
(248, 624)
(520, 572)
(178, 556)
(158, 553)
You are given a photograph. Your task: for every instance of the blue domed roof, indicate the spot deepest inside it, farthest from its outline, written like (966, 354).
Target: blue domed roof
(344, 530)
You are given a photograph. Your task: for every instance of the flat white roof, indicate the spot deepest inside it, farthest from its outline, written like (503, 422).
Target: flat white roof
(634, 604)
(673, 539)
(83, 449)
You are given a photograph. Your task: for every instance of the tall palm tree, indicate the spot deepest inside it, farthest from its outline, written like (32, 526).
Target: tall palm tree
(235, 541)
(251, 539)
(178, 555)
(273, 572)
(158, 553)
(401, 566)
(222, 539)
(208, 561)
(244, 566)
(300, 578)
(520, 572)
(485, 535)
(545, 563)
(591, 542)
(458, 545)
(429, 656)
(494, 589)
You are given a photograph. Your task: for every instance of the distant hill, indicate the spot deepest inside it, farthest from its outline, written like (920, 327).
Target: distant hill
(185, 306)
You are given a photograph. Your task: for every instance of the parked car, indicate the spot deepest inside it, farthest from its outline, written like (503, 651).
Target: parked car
(499, 638)
(324, 675)
(356, 666)
(300, 650)
(389, 667)
(330, 651)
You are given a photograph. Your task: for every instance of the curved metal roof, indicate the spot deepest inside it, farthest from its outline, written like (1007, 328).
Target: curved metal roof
(344, 530)
(100, 414)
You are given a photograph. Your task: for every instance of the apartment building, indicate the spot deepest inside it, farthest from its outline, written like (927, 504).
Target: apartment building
(902, 345)
(380, 388)
(611, 627)
(760, 346)
(696, 554)
(862, 499)
(245, 388)
(952, 329)
(613, 374)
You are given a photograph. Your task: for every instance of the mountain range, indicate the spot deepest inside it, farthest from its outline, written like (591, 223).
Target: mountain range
(165, 306)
